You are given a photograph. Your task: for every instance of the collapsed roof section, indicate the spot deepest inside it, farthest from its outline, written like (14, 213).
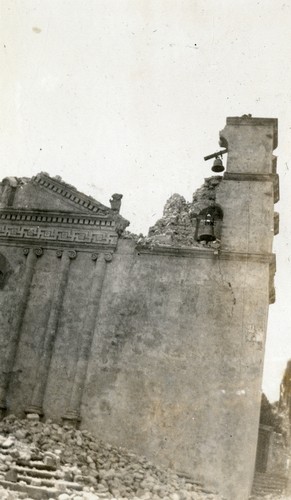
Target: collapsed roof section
(179, 223)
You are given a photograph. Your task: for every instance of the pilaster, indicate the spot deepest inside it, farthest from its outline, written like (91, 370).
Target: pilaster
(73, 415)
(32, 254)
(36, 404)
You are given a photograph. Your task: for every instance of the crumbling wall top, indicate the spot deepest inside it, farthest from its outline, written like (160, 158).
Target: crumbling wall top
(177, 226)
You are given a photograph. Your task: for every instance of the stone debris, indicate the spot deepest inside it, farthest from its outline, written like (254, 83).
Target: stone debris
(48, 461)
(177, 226)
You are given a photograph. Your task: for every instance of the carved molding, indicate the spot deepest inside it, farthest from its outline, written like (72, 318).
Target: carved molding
(108, 257)
(80, 235)
(32, 216)
(72, 254)
(51, 228)
(204, 253)
(38, 251)
(241, 176)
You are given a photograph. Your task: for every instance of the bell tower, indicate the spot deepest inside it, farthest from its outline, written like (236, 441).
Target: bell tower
(252, 185)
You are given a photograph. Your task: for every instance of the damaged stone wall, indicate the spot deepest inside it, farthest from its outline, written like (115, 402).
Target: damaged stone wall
(155, 343)
(178, 225)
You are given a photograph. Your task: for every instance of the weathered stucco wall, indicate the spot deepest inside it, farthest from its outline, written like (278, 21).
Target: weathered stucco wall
(176, 361)
(155, 344)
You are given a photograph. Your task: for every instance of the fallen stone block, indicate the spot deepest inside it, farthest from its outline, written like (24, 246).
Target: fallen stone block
(32, 416)
(11, 475)
(8, 443)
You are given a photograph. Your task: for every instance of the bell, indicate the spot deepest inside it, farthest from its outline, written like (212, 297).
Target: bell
(217, 165)
(206, 231)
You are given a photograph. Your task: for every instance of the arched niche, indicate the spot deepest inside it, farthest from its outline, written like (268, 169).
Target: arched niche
(209, 220)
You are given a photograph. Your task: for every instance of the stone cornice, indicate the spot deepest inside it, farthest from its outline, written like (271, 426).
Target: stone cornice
(274, 178)
(58, 245)
(57, 229)
(238, 176)
(205, 253)
(48, 216)
(210, 253)
(250, 121)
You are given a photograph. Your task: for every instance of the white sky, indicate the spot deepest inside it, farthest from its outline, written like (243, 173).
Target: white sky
(129, 95)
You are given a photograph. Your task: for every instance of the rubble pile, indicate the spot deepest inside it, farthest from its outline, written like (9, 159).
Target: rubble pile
(178, 224)
(206, 193)
(45, 461)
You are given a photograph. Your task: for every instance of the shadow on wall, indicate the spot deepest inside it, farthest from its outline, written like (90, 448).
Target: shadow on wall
(5, 271)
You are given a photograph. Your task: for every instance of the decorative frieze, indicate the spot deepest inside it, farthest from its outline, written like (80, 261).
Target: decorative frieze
(49, 233)
(30, 225)
(85, 222)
